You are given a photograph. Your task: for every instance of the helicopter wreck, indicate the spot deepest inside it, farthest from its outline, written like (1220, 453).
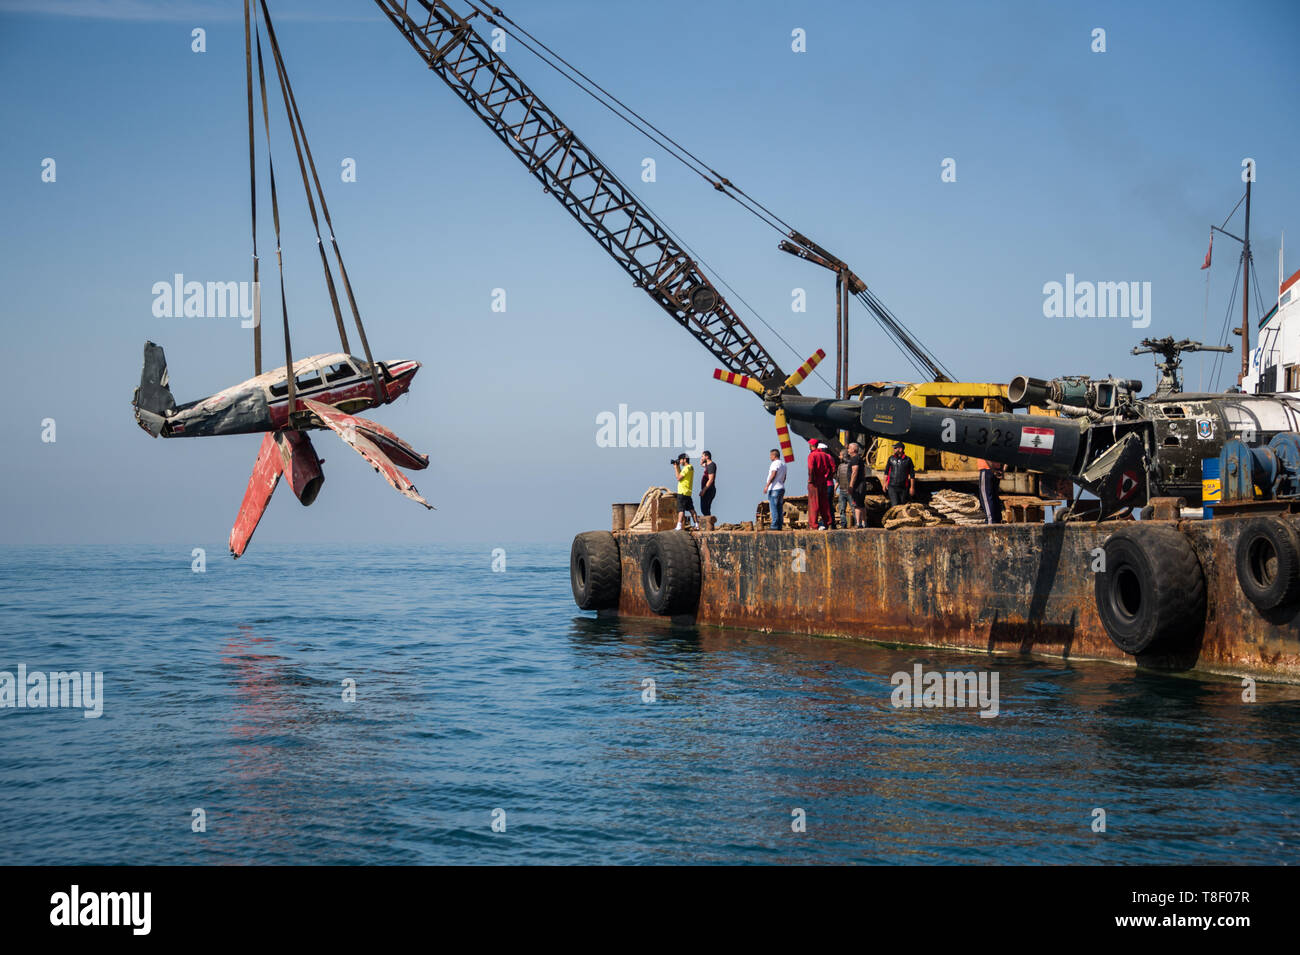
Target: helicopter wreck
(1168, 591)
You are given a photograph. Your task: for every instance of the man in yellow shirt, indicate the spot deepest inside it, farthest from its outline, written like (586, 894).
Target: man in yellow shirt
(685, 488)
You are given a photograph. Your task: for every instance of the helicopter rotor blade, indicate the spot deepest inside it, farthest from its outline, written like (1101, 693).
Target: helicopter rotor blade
(783, 436)
(804, 370)
(739, 380)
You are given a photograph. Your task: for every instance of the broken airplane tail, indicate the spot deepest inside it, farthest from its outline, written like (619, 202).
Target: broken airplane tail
(153, 399)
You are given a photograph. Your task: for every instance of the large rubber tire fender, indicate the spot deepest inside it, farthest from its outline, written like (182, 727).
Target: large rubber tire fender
(1268, 563)
(595, 570)
(1151, 595)
(670, 573)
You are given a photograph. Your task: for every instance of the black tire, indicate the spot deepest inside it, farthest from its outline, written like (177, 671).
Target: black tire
(1151, 595)
(595, 571)
(670, 573)
(1268, 563)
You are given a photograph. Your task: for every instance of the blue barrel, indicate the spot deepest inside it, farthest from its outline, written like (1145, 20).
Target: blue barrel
(1211, 486)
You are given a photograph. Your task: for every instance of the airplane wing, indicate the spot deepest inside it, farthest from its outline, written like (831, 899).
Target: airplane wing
(261, 485)
(371, 441)
(397, 450)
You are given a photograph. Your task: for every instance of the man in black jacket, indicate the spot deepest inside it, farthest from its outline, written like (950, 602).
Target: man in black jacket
(900, 476)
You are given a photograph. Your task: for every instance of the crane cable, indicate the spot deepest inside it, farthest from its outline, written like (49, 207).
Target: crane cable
(634, 119)
(883, 317)
(910, 347)
(725, 284)
(298, 129)
(675, 152)
(302, 169)
(275, 210)
(675, 149)
(252, 189)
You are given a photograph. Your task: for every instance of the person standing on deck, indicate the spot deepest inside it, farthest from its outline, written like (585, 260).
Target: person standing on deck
(857, 482)
(900, 476)
(709, 486)
(990, 474)
(830, 484)
(685, 487)
(821, 475)
(775, 490)
(843, 498)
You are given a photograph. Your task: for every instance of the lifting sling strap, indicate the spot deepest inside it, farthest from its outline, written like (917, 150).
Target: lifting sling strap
(275, 214)
(301, 146)
(252, 189)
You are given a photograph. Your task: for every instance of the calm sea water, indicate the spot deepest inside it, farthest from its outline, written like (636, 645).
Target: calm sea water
(479, 691)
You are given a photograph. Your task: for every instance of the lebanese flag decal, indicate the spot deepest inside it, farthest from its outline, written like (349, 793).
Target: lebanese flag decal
(1128, 483)
(1036, 440)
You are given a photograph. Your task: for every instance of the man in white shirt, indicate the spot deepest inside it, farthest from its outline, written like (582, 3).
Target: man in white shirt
(775, 490)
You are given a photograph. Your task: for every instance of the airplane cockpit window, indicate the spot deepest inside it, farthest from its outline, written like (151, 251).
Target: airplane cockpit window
(279, 391)
(339, 372)
(308, 380)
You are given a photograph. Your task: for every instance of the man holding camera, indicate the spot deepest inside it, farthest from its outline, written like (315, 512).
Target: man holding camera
(685, 487)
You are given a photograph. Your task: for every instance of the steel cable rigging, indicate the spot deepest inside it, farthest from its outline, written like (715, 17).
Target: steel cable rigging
(312, 190)
(921, 358)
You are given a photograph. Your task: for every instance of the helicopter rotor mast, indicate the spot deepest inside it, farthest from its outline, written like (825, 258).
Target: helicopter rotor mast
(1170, 349)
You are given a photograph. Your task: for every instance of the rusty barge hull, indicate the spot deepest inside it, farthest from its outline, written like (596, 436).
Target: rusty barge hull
(1017, 588)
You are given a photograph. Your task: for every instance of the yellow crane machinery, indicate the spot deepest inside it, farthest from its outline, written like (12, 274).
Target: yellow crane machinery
(937, 469)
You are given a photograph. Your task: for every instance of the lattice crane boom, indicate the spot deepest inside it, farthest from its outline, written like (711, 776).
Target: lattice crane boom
(568, 170)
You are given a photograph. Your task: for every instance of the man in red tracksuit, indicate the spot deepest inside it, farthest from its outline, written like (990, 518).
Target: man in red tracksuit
(821, 470)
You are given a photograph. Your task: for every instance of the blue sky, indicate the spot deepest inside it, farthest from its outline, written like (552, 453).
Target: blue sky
(1110, 166)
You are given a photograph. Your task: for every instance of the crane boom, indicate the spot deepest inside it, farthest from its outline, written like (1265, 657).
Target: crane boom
(592, 194)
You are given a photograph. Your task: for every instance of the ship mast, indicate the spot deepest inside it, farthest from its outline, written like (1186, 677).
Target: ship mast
(1245, 290)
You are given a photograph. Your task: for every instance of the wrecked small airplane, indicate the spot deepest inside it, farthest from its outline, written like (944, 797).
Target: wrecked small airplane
(327, 389)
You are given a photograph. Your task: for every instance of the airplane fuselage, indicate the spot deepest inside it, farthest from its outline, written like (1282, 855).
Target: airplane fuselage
(262, 403)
